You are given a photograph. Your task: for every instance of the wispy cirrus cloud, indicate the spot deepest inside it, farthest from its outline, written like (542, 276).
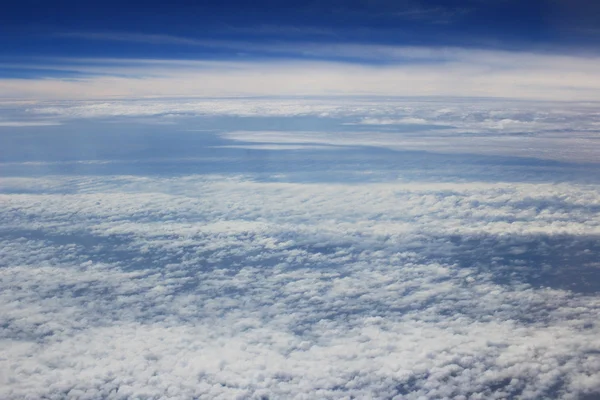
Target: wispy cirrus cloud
(158, 39)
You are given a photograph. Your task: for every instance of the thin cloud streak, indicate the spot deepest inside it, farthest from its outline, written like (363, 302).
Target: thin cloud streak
(319, 50)
(495, 77)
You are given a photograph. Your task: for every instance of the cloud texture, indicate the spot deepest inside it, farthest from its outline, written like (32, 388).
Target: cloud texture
(221, 285)
(220, 288)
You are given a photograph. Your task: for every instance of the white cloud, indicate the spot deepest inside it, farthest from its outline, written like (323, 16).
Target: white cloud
(390, 121)
(229, 286)
(247, 289)
(430, 71)
(583, 148)
(17, 124)
(274, 147)
(563, 131)
(89, 329)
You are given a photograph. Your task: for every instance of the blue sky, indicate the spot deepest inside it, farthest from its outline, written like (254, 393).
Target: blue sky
(64, 27)
(51, 45)
(543, 50)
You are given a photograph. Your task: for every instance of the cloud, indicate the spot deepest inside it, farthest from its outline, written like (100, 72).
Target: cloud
(319, 69)
(274, 147)
(224, 287)
(243, 282)
(544, 148)
(389, 121)
(559, 131)
(158, 39)
(17, 124)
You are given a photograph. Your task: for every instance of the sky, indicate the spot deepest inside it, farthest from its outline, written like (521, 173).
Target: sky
(504, 48)
(300, 200)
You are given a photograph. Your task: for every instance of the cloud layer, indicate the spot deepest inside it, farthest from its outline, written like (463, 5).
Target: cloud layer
(299, 69)
(218, 287)
(218, 249)
(561, 131)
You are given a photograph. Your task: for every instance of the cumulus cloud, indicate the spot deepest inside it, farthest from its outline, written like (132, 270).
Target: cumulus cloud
(198, 287)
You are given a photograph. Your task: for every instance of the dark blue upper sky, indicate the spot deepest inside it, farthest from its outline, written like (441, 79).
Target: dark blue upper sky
(184, 29)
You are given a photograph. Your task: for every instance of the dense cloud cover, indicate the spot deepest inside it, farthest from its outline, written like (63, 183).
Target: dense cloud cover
(332, 262)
